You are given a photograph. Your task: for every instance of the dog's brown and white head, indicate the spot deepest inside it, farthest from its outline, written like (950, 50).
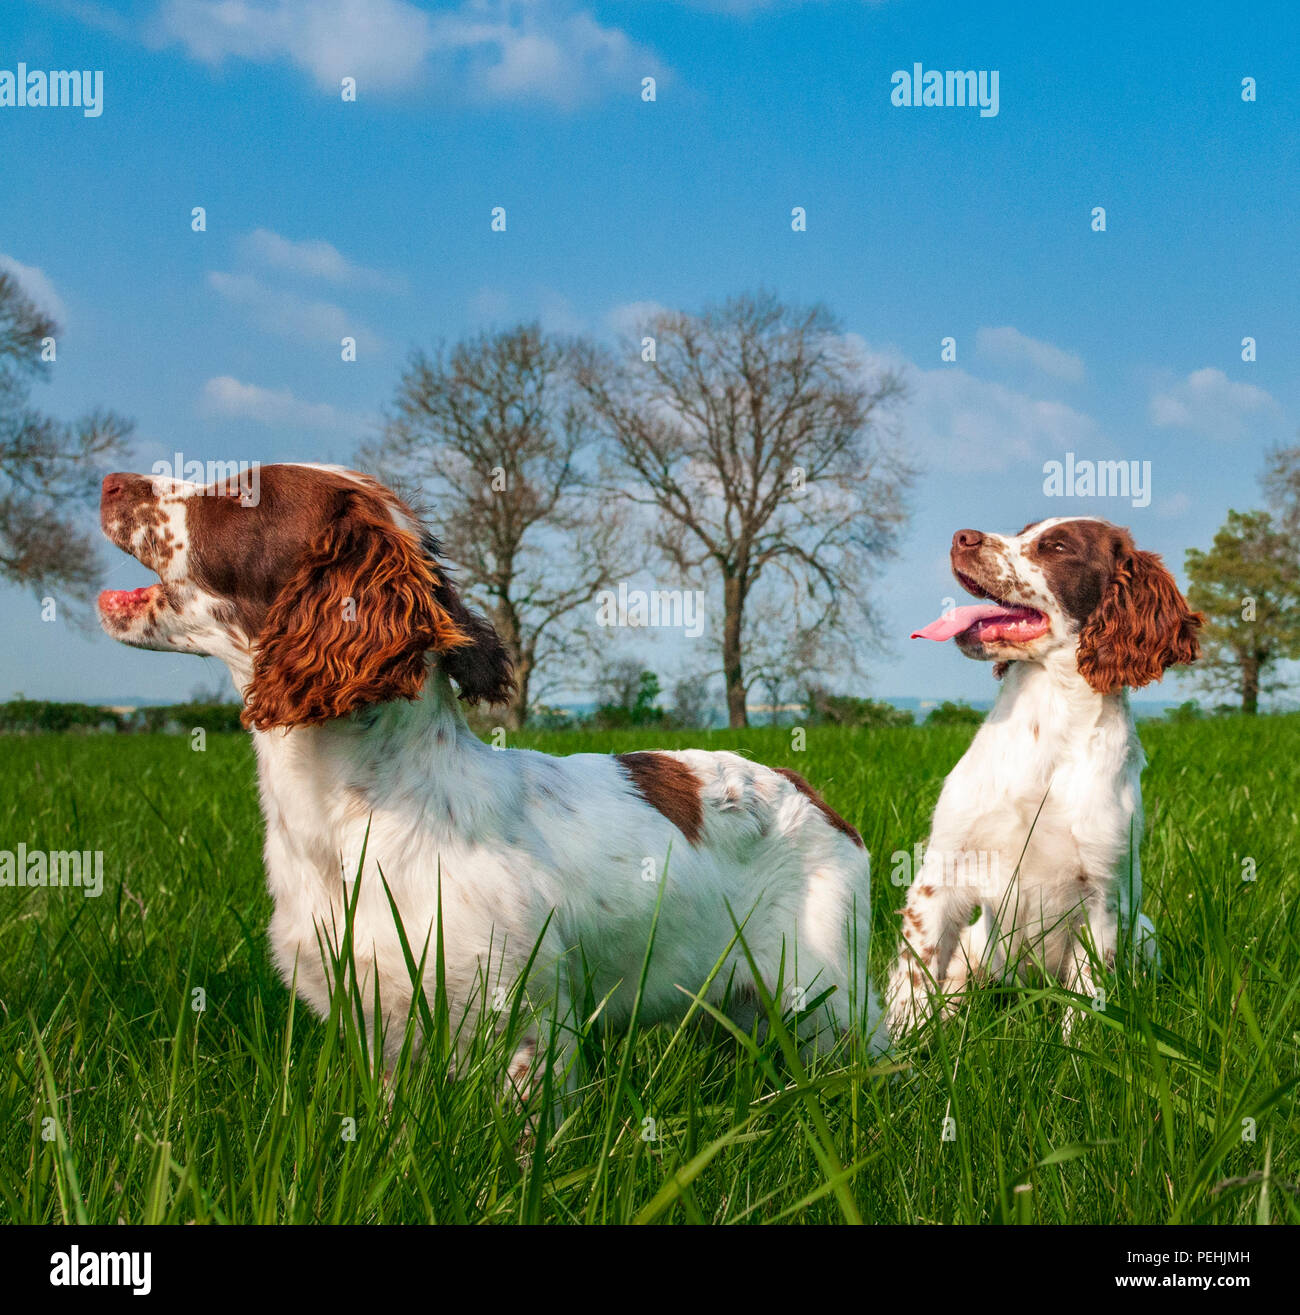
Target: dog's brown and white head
(1070, 584)
(322, 597)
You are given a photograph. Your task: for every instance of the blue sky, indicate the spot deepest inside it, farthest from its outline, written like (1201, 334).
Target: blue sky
(372, 219)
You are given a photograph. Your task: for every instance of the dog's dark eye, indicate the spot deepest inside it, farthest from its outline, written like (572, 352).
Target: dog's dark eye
(1058, 546)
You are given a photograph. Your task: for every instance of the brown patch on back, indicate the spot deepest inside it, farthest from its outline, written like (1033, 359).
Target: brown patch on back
(820, 804)
(669, 786)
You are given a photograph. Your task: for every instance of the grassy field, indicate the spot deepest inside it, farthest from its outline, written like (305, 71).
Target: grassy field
(120, 1101)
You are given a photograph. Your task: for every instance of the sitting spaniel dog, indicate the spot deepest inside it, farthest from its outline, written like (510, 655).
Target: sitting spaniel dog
(340, 625)
(1038, 826)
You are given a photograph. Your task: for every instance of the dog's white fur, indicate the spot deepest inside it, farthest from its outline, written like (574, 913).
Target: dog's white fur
(525, 851)
(1038, 827)
(523, 842)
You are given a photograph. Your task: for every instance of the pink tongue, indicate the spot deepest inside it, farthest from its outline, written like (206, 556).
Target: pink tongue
(957, 619)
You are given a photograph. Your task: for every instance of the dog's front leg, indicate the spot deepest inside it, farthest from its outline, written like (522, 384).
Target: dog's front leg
(933, 919)
(546, 1051)
(1097, 933)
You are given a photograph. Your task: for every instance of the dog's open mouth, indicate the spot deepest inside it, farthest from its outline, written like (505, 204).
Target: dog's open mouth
(123, 606)
(992, 622)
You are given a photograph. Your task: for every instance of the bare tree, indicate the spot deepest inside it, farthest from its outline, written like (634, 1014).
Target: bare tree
(1281, 484)
(791, 641)
(760, 438)
(492, 429)
(691, 700)
(47, 466)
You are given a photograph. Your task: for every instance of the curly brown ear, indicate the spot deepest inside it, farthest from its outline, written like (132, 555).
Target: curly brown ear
(1141, 627)
(354, 624)
(482, 666)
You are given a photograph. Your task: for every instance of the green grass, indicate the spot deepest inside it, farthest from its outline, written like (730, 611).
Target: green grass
(118, 1100)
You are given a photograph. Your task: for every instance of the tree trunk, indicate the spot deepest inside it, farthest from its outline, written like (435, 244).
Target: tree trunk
(733, 603)
(506, 622)
(1250, 685)
(517, 708)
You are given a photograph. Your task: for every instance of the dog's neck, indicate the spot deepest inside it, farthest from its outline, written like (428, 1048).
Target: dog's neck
(1050, 696)
(319, 783)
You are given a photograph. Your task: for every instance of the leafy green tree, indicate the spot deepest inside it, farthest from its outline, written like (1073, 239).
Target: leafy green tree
(629, 697)
(954, 714)
(826, 709)
(1248, 586)
(1188, 710)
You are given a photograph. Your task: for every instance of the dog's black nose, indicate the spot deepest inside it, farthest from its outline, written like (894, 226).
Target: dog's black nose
(967, 539)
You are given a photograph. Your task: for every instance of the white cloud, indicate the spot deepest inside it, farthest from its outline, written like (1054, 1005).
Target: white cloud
(496, 49)
(38, 287)
(490, 305)
(276, 407)
(952, 420)
(313, 258)
(749, 6)
(539, 50)
(962, 424)
(291, 315)
(557, 315)
(97, 16)
(1210, 403)
(1011, 347)
(381, 43)
(632, 318)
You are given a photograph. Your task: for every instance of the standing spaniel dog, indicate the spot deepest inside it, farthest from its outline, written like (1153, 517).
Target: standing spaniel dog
(1038, 826)
(337, 620)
